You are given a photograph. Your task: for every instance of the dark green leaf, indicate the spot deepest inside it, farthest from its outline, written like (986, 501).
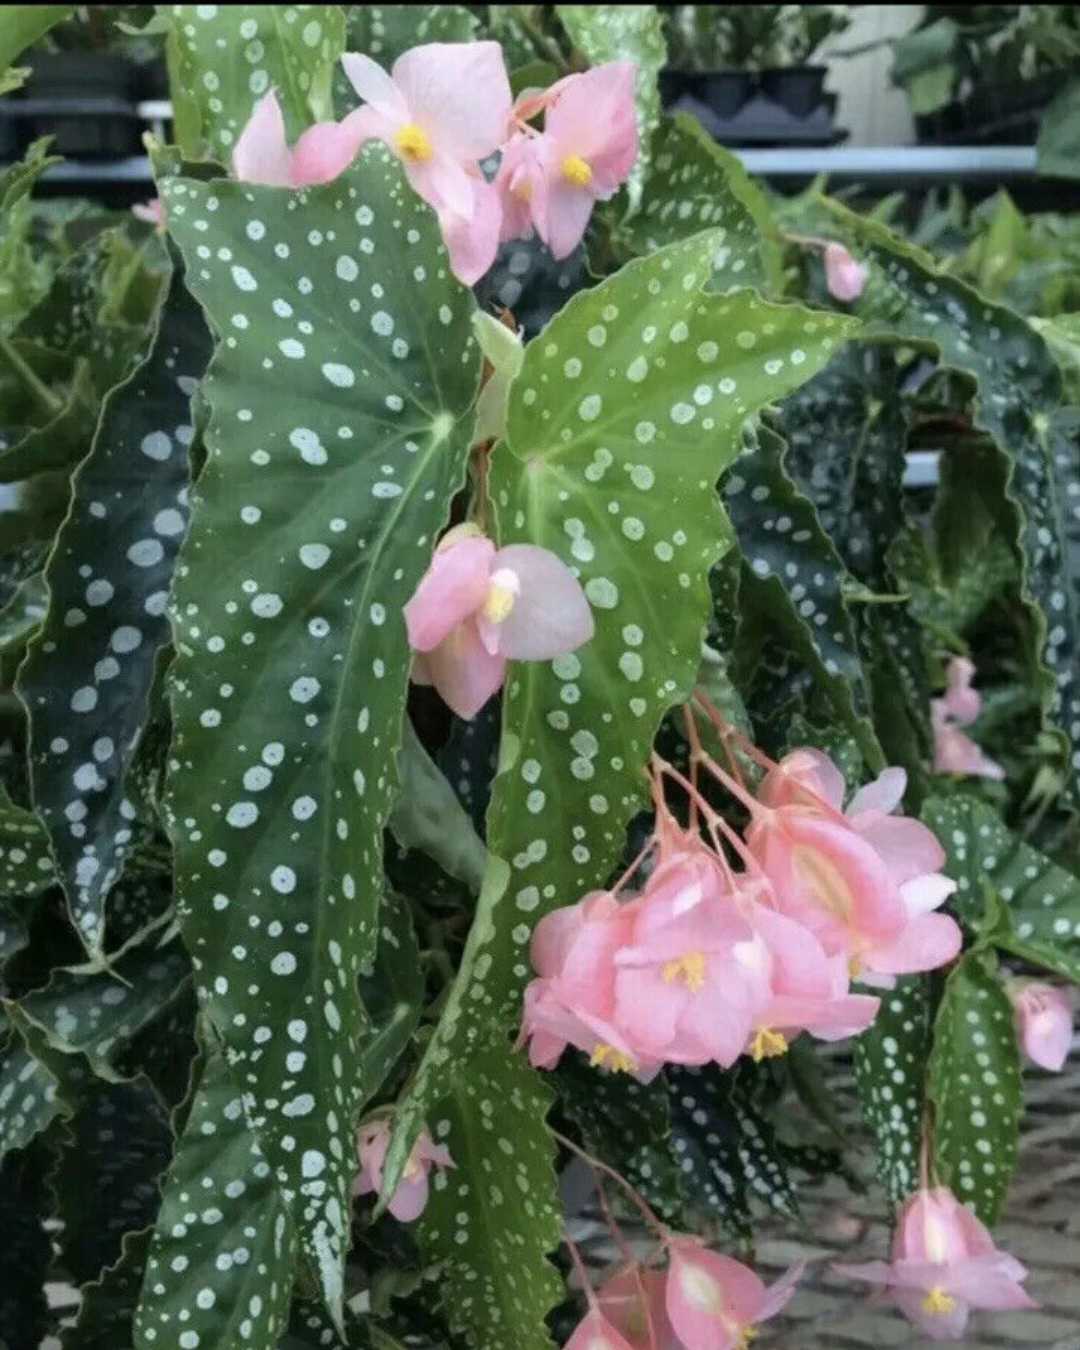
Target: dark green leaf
(393, 995)
(25, 1253)
(22, 25)
(974, 1083)
(1059, 135)
(107, 1307)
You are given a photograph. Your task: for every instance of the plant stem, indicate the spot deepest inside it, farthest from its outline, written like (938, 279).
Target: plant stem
(44, 396)
(647, 1214)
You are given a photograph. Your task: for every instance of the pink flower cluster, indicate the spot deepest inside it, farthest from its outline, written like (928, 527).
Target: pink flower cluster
(476, 606)
(411, 1195)
(703, 1301)
(443, 109)
(954, 752)
(1043, 1022)
(944, 1264)
(707, 963)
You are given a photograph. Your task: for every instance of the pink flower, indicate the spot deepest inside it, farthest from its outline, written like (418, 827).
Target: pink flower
(262, 154)
(573, 1000)
(864, 882)
(714, 1301)
(944, 1264)
(152, 212)
(694, 975)
(595, 1332)
(408, 1201)
(587, 149)
(442, 109)
(476, 606)
(954, 752)
(844, 277)
(1043, 1022)
(634, 1303)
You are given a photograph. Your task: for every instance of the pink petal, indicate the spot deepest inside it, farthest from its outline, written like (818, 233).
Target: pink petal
(923, 894)
(710, 1298)
(954, 752)
(873, 1272)
(778, 1295)
(464, 674)
(458, 92)
(1044, 1018)
(988, 1282)
(844, 277)
(375, 87)
(802, 776)
(261, 154)
(939, 1326)
(649, 1008)
(566, 214)
(473, 243)
(633, 1301)
(444, 183)
(593, 116)
(522, 186)
(885, 793)
(152, 212)
(597, 1333)
(324, 151)
(452, 588)
(551, 615)
(907, 848)
(962, 703)
(408, 1201)
(928, 941)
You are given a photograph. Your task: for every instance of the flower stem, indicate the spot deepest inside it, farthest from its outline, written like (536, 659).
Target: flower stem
(647, 1214)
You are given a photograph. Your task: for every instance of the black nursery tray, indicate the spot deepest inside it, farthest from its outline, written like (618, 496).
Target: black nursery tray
(83, 128)
(763, 122)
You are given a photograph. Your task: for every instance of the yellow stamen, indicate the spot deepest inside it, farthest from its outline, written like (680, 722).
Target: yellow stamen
(502, 592)
(607, 1057)
(747, 1335)
(690, 969)
(938, 1301)
(767, 1044)
(576, 171)
(414, 143)
(854, 966)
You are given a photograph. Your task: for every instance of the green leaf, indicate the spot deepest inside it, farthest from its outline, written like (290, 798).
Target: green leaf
(385, 32)
(1058, 145)
(63, 438)
(87, 677)
(24, 274)
(25, 865)
(1042, 900)
(325, 488)
(22, 615)
(30, 1098)
(635, 33)
(428, 815)
(1017, 388)
(493, 1218)
(616, 436)
(890, 1069)
(225, 1238)
(627, 1125)
(107, 1305)
(22, 25)
(692, 182)
(26, 1252)
(974, 1083)
(393, 995)
(924, 64)
(794, 577)
(227, 57)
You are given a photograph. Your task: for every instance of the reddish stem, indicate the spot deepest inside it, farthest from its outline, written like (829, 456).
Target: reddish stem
(598, 1166)
(582, 1273)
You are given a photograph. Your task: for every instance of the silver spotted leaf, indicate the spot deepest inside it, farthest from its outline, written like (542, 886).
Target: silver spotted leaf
(634, 33)
(341, 396)
(226, 57)
(974, 1082)
(1040, 899)
(26, 867)
(30, 1096)
(628, 407)
(693, 183)
(1017, 392)
(890, 1071)
(493, 1218)
(794, 576)
(87, 678)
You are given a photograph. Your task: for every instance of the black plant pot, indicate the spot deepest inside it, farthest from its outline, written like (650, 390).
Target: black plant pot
(84, 100)
(724, 91)
(152, 80)
(798, 89)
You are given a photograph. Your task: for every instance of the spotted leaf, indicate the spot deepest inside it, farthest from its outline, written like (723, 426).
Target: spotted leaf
(628, 407)
(890, 1071)
(493, 1218)
(25, 865)
(793, 575)
(1041, 900)
(107, 1304)
(1017, 390)
(30, 1097)
(625, 33)
(88, 675)
(974, 1083)
(226, 57)
(692, 183)
(341, 394)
